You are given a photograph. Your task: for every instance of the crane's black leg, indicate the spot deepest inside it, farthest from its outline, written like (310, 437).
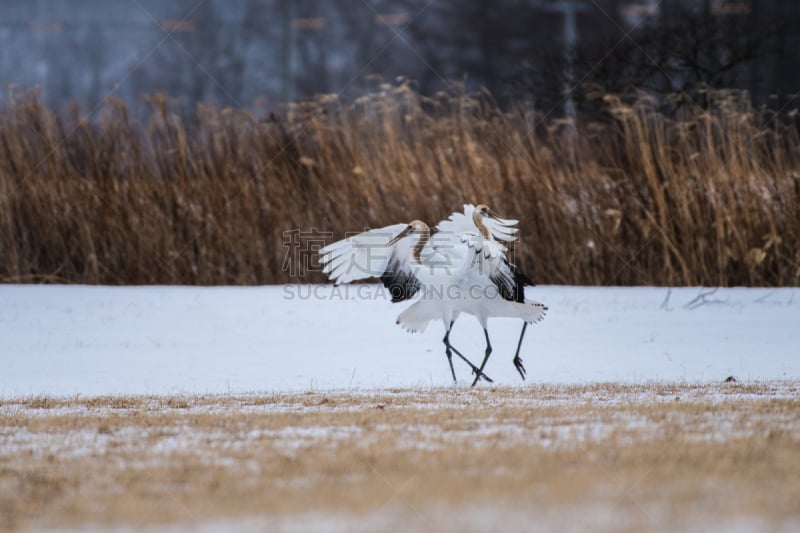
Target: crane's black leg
(449, 353)
(450, 349)
(485, 357)
(517, 359)
(475, 370)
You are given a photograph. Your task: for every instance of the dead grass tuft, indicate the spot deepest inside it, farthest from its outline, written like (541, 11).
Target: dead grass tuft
(41, 402)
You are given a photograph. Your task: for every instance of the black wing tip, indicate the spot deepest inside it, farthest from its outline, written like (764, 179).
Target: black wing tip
(511, 288)
(402, 285)
(520, 281)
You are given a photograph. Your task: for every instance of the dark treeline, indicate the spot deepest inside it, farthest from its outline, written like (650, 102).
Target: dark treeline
(247, 53)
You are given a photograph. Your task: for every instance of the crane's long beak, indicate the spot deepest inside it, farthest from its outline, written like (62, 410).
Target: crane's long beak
(504, 221)
(399, 236)
(493, 214)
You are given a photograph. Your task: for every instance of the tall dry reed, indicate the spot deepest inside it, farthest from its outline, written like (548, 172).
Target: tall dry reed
(694, 196)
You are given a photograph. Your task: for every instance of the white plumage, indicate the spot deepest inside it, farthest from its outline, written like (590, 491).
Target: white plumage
(462, 268)
(364, 255)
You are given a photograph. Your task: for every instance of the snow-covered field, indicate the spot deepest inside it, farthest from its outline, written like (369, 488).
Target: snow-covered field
(305, 408)
(67, 340)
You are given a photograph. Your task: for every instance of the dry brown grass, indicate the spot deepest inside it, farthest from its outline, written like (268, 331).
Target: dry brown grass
(605, 457)
(699, 197)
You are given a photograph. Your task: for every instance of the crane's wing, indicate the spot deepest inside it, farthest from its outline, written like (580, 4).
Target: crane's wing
(502, 229)
(489, 254)
(510, 282)
(458, 223)
(462, 226)
(367, 255)
(485, 261)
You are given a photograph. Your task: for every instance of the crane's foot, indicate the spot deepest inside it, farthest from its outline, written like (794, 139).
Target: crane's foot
(520, 367)
(488, 352)
(478, 373)
(475, 370)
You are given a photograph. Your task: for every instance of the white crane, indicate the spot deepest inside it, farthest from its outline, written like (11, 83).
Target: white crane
(485, 231)
(461, 268)
(405, 260)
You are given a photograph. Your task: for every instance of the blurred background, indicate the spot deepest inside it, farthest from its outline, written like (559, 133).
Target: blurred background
(641, 142)
(245, 53)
